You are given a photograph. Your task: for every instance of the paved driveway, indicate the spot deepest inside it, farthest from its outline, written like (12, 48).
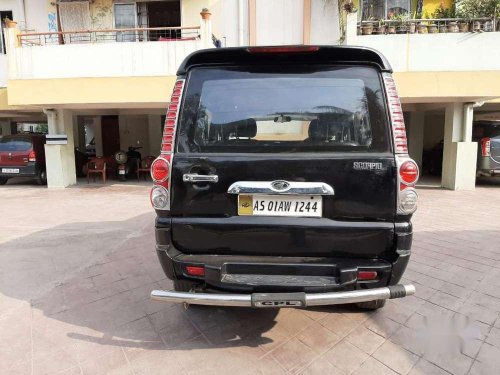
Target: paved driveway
(77, 265)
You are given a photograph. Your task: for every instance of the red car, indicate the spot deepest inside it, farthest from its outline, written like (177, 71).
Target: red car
(22, 155)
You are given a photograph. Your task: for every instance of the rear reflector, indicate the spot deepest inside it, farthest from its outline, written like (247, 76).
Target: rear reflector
(32, 156)
(396, 115)
(367, 275)
(485, 147)
(195, 270)
(283, 49)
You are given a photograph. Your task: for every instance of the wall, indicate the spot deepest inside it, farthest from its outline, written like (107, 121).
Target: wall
(40, 16)
(3, 70)
(424, 52)
(134, 131)
(324, 22)
(279, 22)
(101, 14)
(434, 130)
(17, 13)
(114, 60)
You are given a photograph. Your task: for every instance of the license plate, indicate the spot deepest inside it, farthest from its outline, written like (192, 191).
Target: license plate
(121, 171)
(10, 170)
(280, 205)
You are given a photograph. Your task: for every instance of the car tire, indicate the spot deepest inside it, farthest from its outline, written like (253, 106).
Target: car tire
(3, 180)
(371, 305)
(41, 179)
(183, 286)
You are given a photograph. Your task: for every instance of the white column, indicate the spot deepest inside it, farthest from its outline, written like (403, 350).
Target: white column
(416, 136)
(460, 153)
(60, 159)
(155, 135)
(206, 32)
(351, 29)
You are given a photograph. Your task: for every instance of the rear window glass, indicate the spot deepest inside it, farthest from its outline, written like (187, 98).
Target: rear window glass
(250, 110)
(15, 144)
(491, 130)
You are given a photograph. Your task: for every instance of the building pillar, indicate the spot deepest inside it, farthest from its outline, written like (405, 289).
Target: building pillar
(206, 30)
(460, 153)
(60, 158)
(416, 136)
(6, 127)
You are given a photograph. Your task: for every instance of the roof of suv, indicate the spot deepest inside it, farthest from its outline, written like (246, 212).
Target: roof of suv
(282, 55)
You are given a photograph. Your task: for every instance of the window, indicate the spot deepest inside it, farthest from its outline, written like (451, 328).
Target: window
(384, 9)
(335, 109)
(125, 18)
(15, 144)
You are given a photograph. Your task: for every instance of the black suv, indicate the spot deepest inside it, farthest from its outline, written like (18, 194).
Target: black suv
(284, 179)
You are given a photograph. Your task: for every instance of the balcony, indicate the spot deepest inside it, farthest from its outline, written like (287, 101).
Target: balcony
(112, 68)
(102, 53)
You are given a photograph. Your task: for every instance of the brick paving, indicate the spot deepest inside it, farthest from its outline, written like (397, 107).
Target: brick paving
(77, 266)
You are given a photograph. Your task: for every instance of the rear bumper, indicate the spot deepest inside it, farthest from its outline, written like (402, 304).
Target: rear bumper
(30, 170)
(284, 299)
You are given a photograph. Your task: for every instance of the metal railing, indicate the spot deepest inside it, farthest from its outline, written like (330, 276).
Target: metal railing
(147, 34)
(427, 26)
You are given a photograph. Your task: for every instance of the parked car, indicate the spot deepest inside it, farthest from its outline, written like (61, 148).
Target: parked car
(487, 134)
(291, 183)
(23, 155)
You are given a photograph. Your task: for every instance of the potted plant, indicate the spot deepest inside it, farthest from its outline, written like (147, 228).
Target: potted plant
(9, 23)
(401, 26)
(432, 28)
(367, 26)
(380, 27)
(205, 14)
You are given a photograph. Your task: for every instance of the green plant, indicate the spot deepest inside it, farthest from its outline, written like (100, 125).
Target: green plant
(443, 12)
(469, 9)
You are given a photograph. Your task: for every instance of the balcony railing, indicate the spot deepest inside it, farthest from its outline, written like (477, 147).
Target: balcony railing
(149, 34)
(427, 26)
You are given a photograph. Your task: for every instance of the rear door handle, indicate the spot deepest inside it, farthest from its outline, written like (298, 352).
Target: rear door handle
(195, 178)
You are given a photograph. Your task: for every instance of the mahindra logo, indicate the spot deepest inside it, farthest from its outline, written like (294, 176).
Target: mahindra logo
(280, 185)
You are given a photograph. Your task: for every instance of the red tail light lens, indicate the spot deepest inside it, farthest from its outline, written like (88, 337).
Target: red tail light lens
(486, 147)
(409, 172)
(396, 114)
(32, 156)
(195, 270)
(367, 275)
(160, 170)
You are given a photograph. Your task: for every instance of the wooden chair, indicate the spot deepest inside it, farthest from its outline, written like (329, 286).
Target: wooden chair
(144, 166)
(96, 166)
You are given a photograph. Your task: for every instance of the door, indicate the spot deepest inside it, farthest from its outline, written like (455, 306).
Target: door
(110, 135)
(125, 17)
(322, 131)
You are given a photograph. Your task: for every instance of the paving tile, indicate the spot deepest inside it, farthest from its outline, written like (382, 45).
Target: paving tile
(365, 339)
(346, 356)
(395, 357)
(322, 366)
(115, 363)
(372, 366)
(294, 355)
(318, 338)
(424, 367)
(339, 324)
(381, 325)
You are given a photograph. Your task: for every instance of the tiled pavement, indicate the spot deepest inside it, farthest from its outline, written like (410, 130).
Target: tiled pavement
(76, 268)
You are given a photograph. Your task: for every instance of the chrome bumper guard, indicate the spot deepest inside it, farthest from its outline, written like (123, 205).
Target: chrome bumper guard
(284, 299)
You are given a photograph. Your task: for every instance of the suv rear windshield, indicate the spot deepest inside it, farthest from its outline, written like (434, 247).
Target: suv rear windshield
(15, 144)
(271, 110)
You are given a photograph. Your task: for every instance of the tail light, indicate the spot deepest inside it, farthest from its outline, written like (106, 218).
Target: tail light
(407, 168)
(161, 170)
(485, 147)
(32, 156)
(396, 115)
(367, 275)
(195, 270)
